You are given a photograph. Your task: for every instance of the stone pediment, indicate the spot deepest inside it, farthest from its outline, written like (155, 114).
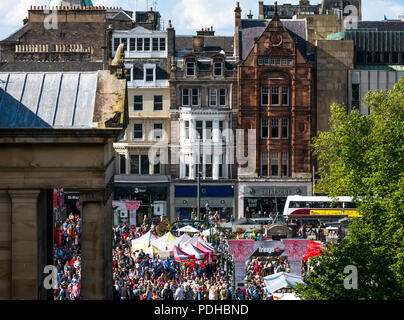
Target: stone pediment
(139, 30)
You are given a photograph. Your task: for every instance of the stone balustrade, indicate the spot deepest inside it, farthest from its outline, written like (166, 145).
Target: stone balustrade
(29, 48)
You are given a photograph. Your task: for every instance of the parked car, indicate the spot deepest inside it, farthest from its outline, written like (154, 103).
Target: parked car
(262, 221)
(193, 223)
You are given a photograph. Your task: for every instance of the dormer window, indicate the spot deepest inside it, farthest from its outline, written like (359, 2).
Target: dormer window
(155, 44)
(139, 44)
(162, 44)
(190, 69)
(149, 73)
(146, 44)
(218, 69)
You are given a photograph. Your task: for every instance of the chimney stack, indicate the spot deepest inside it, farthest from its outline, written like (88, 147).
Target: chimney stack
(237, 25)
(250, 16)
(198, 43)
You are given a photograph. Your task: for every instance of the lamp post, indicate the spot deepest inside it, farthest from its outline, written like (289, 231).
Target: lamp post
(198, 181)
(234, 279)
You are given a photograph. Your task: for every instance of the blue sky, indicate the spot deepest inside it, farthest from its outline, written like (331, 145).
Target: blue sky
(190, 15)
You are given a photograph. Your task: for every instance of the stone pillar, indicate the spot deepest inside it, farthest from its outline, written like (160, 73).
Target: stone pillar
(96, 245)
(24, 251)
(5, 246)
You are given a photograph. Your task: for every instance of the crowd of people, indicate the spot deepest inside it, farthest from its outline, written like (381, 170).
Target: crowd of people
(256, 269)
(139, 276)
(67, 259)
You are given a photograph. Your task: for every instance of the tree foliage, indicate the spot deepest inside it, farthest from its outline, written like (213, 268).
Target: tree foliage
(163, 227)
(362, 156)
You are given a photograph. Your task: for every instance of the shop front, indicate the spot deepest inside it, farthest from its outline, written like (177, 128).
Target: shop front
(141, 199)
(216, 198)
(262, 201)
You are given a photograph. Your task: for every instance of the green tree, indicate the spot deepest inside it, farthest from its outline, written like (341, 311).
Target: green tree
(163, 227)
(362, 156)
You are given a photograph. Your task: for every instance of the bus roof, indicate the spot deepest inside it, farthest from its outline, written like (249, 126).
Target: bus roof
(318, 198)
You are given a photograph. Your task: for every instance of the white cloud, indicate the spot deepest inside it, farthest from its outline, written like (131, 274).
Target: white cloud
(189, 15)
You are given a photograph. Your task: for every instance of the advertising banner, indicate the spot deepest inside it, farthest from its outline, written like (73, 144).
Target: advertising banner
(294, 250)
(242, 250)
(132, 219)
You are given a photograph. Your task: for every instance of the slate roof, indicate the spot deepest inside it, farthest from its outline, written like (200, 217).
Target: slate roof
(211, 43)
(50, 66)
(251, 29)
(15, 37)
(389, 25)
(47, 100)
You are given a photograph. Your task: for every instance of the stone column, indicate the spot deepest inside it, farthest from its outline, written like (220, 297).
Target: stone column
(96, 245)
(24, 238)
(5, 246)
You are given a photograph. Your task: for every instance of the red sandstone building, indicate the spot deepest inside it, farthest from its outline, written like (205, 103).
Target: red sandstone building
(276, 99)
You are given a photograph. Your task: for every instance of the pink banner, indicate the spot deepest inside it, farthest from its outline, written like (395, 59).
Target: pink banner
(241, 250)
(295, 249)
(132, 205)
(132, 219)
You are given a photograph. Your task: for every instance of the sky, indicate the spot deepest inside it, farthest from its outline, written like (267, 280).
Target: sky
(187, 16)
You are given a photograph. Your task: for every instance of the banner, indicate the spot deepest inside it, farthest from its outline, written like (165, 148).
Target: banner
(294, 250)
(268, 248)
(126, 205)
(241, 251)
(132, 219)
(132, 205)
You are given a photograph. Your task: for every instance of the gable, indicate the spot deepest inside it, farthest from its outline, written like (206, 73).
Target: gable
(251, 29)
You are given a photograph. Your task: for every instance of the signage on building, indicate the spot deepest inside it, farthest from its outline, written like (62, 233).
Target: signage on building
(275, 191)
(159, 208)
(132, 205)
(139, 190)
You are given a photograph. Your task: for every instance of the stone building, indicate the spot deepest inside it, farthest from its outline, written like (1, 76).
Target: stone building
(203, 116)
(57, 130)
(70, 35)
(275, 94)
(340, 8)
(352, 62)
(147, 62)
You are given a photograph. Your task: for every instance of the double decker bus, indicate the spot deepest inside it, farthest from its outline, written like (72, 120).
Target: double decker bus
(319, 207)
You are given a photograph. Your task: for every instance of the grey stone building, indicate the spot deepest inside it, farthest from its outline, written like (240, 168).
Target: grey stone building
(203, 114)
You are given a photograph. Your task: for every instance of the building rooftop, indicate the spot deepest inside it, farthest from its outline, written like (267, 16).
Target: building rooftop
(385, 25)
(59, 100)
(184, 44)
(251, 29)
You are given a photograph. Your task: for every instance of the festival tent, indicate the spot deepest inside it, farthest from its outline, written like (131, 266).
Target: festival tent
(194, 239)
(313, 250)
(152, 250)
(188, 229)
(164, 242)
(179, 242)
(180, 255)
(192, 250)
(144, 241)
(281, 280)
(285, 296)
(206, 244)
(208, 232)
(200, 246)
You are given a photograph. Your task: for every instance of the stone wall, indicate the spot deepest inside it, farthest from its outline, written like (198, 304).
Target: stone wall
(334, 59)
